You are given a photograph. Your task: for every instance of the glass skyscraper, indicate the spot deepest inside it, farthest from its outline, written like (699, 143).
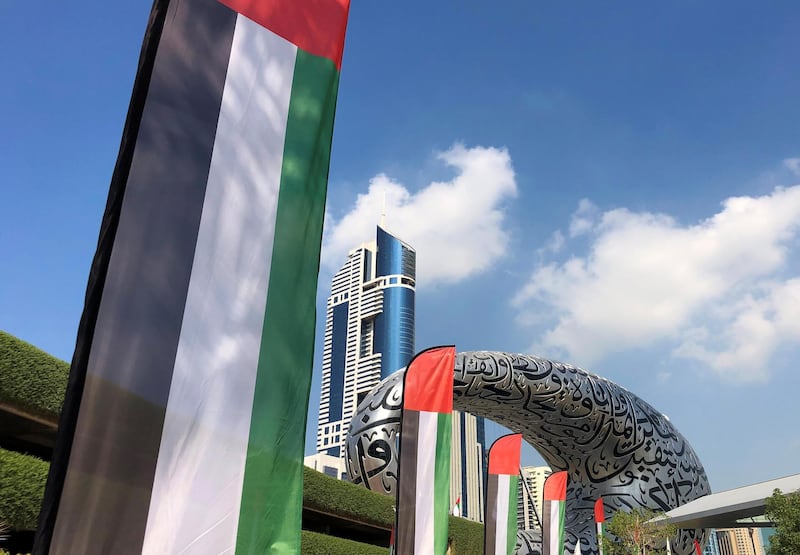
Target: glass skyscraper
(369, 331)
(369, 334)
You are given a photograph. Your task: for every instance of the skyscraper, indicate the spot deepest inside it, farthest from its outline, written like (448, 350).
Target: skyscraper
(369, 332)
(468, 465)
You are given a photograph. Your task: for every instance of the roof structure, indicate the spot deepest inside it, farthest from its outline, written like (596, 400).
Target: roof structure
(735, 508)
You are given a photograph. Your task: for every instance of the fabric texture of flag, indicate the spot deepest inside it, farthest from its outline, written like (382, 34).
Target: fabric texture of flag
(184, 422)
(599, 520)
(555, 496)
(457, 507)
(423, 498)
(500, 537)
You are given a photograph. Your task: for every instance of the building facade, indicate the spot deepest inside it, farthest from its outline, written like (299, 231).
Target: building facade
(468, 465)
(530, 494)
(739, 541)
(369, 332)
(712, 545)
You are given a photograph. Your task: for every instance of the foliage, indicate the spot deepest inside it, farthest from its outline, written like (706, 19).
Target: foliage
(335, 497)
(31, 379)
(467, 536)
(784, 511)
(22, 480)
(312, 543)
(635, 533)
(340, 498)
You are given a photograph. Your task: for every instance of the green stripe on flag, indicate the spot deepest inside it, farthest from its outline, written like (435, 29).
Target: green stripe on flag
(272, 495)
(441, 485)
(561, 506)
(511, 539)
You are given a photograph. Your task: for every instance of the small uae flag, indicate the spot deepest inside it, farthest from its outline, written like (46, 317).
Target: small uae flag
(184, 421)
(501, 496)
(555, 497)
(423, 498)
(457, 507)
(599, 522)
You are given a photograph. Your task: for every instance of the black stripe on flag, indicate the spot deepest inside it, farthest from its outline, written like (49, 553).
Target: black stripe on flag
(490, 532)
(98, 490)
(407, 483)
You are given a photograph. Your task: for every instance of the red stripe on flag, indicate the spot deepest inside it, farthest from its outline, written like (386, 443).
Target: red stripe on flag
(555, 487)
(315, 26)
(428, 383)
(599, 511)
(697, 547)
(504, 455)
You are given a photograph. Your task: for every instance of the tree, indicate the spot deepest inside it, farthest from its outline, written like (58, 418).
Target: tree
(635, 533)
(784, 511)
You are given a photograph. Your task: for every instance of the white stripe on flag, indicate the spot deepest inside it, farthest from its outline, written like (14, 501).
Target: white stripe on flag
(197, 488)
(555, 526)
(501, 539)
(426, 474)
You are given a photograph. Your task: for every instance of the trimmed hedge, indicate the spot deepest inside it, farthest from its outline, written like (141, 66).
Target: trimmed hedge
(347, 500)
(312, 543)
(467, 536)
(22, 480)
(31, 379)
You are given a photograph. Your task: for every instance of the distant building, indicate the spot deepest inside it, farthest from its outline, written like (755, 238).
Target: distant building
(740, 541)
(328, 465)
(468, 465)
(369, 332)
(712, 545)
(530, 496)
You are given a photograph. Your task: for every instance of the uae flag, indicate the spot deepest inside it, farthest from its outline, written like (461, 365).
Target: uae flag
(555, 497)
(184, 422)
(501, 496)
(599, 521)
(423, 498)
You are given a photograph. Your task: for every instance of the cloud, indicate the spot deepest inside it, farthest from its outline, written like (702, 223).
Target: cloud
(447, 222)
(793, 165)
(583, 219)
(715, 290)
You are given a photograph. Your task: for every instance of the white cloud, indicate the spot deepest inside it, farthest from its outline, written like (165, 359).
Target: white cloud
(715, 289)
(793, 165)
(446, 222)
(583, 219)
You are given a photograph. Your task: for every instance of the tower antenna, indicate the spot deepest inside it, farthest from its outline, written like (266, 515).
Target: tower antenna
(383, 209)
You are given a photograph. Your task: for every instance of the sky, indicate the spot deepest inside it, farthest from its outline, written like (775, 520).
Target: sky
(613, 186)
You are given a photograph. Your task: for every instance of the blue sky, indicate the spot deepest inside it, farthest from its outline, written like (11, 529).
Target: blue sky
(629, 174)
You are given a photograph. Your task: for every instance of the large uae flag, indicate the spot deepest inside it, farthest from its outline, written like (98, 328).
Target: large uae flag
(184, 422)
(554, 501)
(501, 496)
(423, 498)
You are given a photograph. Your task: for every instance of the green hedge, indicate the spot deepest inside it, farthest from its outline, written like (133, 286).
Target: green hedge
(333, 496)
(467, 536)
(22, 480)
(31, 379)
(313, 543)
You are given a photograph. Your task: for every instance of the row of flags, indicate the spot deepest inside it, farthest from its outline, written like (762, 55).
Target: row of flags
(424, 475)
